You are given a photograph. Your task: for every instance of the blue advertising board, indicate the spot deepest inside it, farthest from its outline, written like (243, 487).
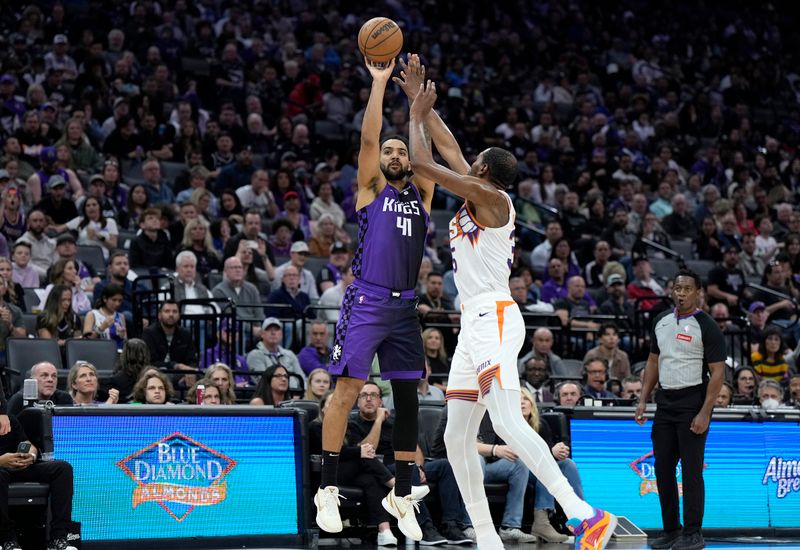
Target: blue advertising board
(756, 465)
(165, 476)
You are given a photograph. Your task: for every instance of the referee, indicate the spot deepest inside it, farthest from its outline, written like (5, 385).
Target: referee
(687, 359)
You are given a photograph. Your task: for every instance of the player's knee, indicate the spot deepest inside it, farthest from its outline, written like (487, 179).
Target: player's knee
(454, 437)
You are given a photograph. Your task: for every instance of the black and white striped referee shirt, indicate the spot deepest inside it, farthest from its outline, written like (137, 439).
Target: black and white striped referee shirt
(685, 346)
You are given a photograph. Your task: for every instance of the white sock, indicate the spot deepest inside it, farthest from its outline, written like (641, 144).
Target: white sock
(509, 424)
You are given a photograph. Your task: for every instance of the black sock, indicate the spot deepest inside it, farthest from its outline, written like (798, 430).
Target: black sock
(402, 480)
(330, 468)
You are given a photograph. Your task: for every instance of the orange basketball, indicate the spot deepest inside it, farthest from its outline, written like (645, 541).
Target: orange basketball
(380, 39)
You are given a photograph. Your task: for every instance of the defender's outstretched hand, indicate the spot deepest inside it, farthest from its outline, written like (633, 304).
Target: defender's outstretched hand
(412, 76)
(425, 99)
(379, 71)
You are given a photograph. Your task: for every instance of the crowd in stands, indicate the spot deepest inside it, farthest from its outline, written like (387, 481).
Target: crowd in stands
(216, 141)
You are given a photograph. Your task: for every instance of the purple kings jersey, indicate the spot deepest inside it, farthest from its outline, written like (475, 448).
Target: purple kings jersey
(391, 239)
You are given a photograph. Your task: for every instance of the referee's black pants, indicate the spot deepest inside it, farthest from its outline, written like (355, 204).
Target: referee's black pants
(673, 441)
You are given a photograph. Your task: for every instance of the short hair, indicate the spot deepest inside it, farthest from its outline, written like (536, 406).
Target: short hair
(152, 212)
(692, 275)
(22, 243)
(167, 302)
(609, 325)
(502, 166)
(183, 255)
(434, 274)
(398, 137)
(769, 383)
(116, 254)
(631, 379)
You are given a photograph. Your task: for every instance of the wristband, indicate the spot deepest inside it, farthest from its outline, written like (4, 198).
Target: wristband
(494, 447)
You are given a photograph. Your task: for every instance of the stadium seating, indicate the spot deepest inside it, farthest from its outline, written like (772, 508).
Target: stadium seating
(23, 353)
(101, 353)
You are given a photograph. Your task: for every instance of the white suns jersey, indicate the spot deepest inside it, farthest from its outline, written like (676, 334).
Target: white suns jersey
(482, 256)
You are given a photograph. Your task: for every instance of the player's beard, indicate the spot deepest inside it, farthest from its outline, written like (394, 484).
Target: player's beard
(391, 174)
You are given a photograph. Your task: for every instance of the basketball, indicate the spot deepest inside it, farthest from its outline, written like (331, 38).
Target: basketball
(380, 39)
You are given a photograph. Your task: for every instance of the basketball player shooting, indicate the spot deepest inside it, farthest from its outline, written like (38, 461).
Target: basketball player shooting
(378, 312)
(483, 373)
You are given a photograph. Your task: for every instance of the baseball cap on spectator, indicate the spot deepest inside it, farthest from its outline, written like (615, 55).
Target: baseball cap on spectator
(8, 79)
(299, 246)
(65, 238)
(288, 155)
(755, 306)
(4, 175)
(119, 101)
(48, 154)
(97, 177)
(322, 166)
(60, 39)
(338, 247)
(290, 195)
(615, 279)
(270, 322)
(47, 105)
(56, 181)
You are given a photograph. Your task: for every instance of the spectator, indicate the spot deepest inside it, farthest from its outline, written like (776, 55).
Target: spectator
(596, 376)
(42, 247)
(186, 285)
(197, 240)
(118, 270)
(770, 394)
(617, 303)
(562, 250)
(43, 180)
(324, 203)
(251, 231)
(319, 384)
(374, 426)
(680, 224)
(619, 235)
(12, 215)
(576, 305)
(631, 387)
(137, 204)
(324, 236)
(643, 285)
(82, 384)
(501, 464)
(23, 467)
(331, 273)
(725, 396)
(232, 174)
(11, 321)
(212, 393)
(65, 272)
(257, 195)
(568, 394)
(273, 388)
(14, 292)
(650, 230)
(794, 390)
(231, 207)
(540, 254)
(593, 272)
(58, 320)
(135, 357)
(779, 310)
(171, 346)
(707, 244)
(55, 205)
(153, 388)
(542, 340)
(555, 288)
(151, 248)
(436, 356)
(535, 380)
(766, 245)
(23, 272)
(770, 361)
(245, 295)
(316, 355)
(662, 206)
(106, 321)
(291, 211)
(434, 300)
(751, 264)
(757, 321)
(297, 258)
(618, 363)
(744, 384)
(159, 191)
(221, 375)
(269, 352)
(93, 228)
(46, 376)
(332, 297)
(544, 503)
